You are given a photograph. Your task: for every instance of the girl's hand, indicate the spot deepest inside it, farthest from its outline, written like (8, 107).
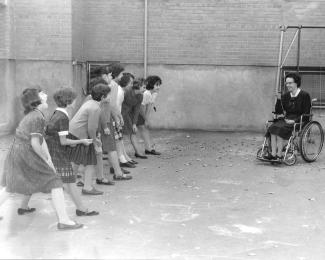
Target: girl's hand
(87, 141)
(50, 163)
(106, 131)
(289, 121)
(134, 128)
(98, 149)
(98, 142)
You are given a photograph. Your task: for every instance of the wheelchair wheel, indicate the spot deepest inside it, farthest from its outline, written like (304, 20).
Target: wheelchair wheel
(311, 141)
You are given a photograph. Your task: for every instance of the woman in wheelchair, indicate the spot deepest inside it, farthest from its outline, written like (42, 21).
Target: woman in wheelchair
(289, 109)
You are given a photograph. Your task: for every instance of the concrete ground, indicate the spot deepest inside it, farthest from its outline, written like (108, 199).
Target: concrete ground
(205, 197)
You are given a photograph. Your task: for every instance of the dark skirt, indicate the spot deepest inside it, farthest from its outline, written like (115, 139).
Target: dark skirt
(27, 173)
(108, 141)
(141, 120)
(60, 159)
(81, 154)
(281, 128)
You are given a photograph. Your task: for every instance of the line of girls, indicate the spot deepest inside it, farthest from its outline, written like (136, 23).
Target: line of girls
(44, 157)
(125, 112)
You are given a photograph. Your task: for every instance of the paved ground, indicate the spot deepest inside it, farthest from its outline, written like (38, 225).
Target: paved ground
(205, 197)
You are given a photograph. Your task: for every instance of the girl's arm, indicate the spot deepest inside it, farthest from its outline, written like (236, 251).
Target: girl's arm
(66, 141)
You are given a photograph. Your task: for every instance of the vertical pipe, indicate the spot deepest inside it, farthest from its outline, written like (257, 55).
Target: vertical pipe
(298, 48)
(277, 83)
(145, 47)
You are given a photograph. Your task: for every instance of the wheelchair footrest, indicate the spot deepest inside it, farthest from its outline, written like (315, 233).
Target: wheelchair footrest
(267, 160)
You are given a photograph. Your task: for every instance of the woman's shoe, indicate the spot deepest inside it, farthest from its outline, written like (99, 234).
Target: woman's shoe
(22, 211)
(153, 152)
(104, 182)
(133, 162)
(140, 156)
(80, 184)
(269, 157)
(62, 226)
(127, 165)
(86, 213)
(121, 177)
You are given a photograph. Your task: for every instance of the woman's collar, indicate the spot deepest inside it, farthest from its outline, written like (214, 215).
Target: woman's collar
(63, 110)
(297, 93)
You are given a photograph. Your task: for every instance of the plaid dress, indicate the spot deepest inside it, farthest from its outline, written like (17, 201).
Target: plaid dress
(56, 127)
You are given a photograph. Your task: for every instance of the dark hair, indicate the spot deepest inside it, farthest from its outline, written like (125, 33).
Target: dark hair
(99, 71)
(125, 80)
(99, 90)
(115, 69)
(64, 97)
(30, 99)
(95, 81)
(296, 77)
(130, 74)
(137, 83)
(151, 82)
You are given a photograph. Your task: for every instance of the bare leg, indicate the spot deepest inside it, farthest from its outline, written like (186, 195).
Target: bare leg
(113, 159)
(89, 172)
(120, 153)
(99, 166)
(126, 156)
(25, 201)
(59, 206)
(145, 134)
(135, 144)
(75, 195)
(3, 195)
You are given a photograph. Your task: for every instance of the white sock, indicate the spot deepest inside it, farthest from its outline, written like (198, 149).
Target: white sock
(122, 159)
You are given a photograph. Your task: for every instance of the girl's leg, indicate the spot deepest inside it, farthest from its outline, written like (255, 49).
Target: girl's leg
(89, 172)
(120, 152)
(25, 201)
(126, 156)
(75, 195)
(135, 143)
(99, 166)
(3, 195)
(59, 206)
(145, 134)
(113, 160)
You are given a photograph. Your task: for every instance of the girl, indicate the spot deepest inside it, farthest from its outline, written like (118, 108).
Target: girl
(28, 166)
(56, 136)
(130, 111)
(152, 85)
(117, 98)
(84, 125)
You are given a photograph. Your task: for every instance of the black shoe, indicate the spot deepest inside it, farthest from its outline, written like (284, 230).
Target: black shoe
(269, 157)
(104, 182)
(21, 211)
(127, 165)
(80, 184)
(279, 158)
(153, 152)
(122, 178)
(69, 227)
(140, 156)
(86, 213)
(133, 162)
(111, 170)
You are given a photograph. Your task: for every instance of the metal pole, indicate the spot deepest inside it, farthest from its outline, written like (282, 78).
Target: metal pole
(289, 48)
(282, 28)
(298, 48)
(145, 47)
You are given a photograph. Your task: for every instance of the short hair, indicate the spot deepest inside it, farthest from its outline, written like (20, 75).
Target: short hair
(151, 82)
(96, 81)
(99, 71)
(99, 90)
(125, 80)
(137, 83)
(130, 74)
(30, 99)
(295, 76)
(115, 69)
(64, 97)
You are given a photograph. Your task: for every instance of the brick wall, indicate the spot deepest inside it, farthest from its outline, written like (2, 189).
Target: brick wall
(224, 32)
(4, 31)
(42, 29)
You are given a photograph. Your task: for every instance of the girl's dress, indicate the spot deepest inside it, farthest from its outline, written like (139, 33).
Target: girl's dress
(56, 127)
(131, 109)
(25, 172)
(86, 118)
(108, 141)
(117, 100)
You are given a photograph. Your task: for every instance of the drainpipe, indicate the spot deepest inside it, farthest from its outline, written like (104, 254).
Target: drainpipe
(145, 47)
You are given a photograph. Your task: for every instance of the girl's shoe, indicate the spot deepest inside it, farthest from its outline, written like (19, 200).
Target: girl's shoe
(62, 226)
(133, 162)
(86, 213)
(140, 156)
(104, 182)
(93, 191)
(153, 152)
(121, 177)
(127, 165)
(80, 184)
(111, 170)
(22, 211)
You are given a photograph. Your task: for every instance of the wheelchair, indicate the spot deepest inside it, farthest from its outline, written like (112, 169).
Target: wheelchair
(306, 139)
